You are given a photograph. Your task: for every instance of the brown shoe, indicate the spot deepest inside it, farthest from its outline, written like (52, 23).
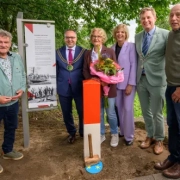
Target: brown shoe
(158, 148)
(145, 144)
(163, 165)
(172, 172)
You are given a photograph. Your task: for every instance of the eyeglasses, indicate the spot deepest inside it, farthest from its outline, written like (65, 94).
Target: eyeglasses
(98, 37)
(69, 37)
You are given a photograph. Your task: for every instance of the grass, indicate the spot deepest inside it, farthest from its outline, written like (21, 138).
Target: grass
(137, 107)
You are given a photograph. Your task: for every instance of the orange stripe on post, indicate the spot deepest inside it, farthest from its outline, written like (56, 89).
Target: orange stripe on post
(91, 101)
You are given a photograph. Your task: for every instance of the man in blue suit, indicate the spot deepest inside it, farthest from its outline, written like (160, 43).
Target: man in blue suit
(151, 78)
(69, 63)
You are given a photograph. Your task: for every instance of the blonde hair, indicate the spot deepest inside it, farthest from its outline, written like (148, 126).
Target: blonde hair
(143, 10)
(4, 33)
(121, 26)
(101, 32)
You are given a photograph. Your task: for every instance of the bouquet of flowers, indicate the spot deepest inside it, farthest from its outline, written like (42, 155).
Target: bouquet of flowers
(108, 71)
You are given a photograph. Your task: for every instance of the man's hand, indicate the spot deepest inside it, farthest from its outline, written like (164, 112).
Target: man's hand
(5, 99)
(176, 95)
(128, 89)
(19, 94)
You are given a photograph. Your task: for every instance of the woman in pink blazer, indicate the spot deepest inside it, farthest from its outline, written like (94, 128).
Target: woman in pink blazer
(127, 59)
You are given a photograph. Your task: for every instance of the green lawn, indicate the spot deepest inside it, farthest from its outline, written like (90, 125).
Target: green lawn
(137, 107)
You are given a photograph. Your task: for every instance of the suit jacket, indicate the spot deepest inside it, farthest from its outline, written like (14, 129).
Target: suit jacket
(86, 69)
(127, 59)
(63, 75)
(154, 61)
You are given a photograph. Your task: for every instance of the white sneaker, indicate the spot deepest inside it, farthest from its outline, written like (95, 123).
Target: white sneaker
(103, 138)
(114, 140)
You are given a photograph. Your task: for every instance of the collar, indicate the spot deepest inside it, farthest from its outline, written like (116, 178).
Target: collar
(151, 32)
(177, 31)
(73, 48)
(8, 54)
(94, 52)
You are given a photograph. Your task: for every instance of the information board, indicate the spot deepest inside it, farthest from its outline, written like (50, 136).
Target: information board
(40, 65)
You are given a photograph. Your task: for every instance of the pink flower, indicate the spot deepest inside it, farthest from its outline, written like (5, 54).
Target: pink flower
(114, 79)
(109, 79)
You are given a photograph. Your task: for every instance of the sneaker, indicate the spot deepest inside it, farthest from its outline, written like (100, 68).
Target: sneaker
(129, 143)
(14, 155)
(103, 138)
(1, 169)
(114, 140)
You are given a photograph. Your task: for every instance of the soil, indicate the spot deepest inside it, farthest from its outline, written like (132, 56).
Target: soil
(51, 157)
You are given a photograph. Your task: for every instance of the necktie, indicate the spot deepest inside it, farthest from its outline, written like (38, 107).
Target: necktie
(70, 59)
(145, 44)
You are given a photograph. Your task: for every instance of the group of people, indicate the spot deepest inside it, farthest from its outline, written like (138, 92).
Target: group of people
(151, 66)
(69, 82)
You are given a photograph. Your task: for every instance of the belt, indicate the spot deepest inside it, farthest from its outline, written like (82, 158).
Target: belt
(143, 74)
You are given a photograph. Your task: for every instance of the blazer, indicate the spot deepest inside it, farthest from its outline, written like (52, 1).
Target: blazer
(127, 59)
(154, 61)
(18, 78)
(86, 67)
(64, 75)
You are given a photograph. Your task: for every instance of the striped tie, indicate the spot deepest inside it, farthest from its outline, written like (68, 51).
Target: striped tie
(145, 44)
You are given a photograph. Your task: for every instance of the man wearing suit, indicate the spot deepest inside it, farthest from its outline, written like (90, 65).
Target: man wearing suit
(151, 78)
(69, 63)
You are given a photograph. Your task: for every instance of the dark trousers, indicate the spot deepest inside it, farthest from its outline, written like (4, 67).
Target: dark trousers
(173, 121)
(10, 116)
(66, 106)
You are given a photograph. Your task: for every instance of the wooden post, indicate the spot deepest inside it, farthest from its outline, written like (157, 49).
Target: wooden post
(91, 106)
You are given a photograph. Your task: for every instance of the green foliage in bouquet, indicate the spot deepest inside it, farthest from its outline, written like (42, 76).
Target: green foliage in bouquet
(106, 65)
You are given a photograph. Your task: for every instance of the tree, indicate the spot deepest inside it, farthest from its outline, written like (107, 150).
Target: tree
(78, 14)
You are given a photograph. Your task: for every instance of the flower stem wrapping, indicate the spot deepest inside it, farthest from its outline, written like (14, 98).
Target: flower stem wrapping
(106, 104)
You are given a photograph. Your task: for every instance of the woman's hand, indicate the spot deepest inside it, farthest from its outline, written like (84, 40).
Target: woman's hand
(103, 83)
(128, 89)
